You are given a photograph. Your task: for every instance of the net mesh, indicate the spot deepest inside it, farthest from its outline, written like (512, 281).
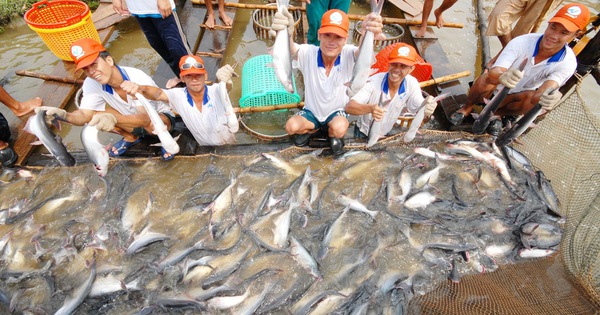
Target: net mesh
(565, 146)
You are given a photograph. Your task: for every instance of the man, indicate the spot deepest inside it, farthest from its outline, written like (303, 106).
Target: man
(8, 157)
(439, 19)
(551, 62)
(397, 89)
(325, 68)
(124, 115)
(205, 110)
(159, 24)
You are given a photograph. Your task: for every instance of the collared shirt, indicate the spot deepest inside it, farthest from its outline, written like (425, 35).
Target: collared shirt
(407, 100)
(324, 94)
(216, 124)
(96, 96)
(559, 67)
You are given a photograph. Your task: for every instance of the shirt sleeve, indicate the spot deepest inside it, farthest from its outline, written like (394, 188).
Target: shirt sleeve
(415, 98)
(364, 94)
(92, 98)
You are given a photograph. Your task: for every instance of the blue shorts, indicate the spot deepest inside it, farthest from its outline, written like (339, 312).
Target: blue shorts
(311, 117)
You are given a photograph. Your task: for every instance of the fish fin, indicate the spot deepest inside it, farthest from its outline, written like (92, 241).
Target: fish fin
(37, 142)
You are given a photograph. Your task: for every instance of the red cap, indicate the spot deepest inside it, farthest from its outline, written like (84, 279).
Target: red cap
(191, 64)
(572, 16)
(404, 54)
(85, 51)
(336, 22)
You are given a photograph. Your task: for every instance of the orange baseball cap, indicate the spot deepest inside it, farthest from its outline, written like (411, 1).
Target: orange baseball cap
(572, 16)
(336, 22)
(85, 51)
(404, 54)
(191, 64)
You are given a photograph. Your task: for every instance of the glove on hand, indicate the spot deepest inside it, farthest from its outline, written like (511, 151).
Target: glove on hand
(104, 121)
(549, 101)
(511, 77)
(225, 73)
(281, 20)
(51, 112)
(430, 105)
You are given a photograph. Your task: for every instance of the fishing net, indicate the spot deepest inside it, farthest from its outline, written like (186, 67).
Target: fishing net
(565, 147)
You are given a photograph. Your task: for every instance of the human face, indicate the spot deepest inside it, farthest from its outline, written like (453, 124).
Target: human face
(100, 70)
(331, 44)
(398, 71)
(556, 36)
(194, 82)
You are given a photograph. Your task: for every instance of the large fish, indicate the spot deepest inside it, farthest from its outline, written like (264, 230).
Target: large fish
(37, 125)
(160, 129)
(94, 149)
(282, 56)
(419, 116)
(362, 66)
(375, 129)
(486, 114)
(79, 294)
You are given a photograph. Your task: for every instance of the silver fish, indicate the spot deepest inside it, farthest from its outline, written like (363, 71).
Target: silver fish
(282, 56)
(303, 257)
(355, 205)
(37, 125)
(160, 129)
(419, 200)
(76, 298)
(94, 149)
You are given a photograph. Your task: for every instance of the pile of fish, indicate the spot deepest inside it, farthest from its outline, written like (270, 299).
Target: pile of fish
(265, 233)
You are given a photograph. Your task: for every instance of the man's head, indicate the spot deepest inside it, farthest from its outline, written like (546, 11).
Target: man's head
(333, 33)
(402, 59)
(85, 51)
(192, 72)
(574, 17)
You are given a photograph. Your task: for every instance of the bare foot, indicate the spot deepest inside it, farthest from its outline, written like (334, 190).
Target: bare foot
(172, 82)
(226, 19)
(439, 20)
(210, 21)
(27, 106)
(421, 31)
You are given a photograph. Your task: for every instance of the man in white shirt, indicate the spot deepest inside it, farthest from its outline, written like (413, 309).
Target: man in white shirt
(387, 95)
(124, 115)
(325, 68)
(205, 109)
(551, 62)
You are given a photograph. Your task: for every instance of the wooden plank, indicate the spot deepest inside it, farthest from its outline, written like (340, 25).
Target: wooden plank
(405, 7)
(55, 94)
(418, 5)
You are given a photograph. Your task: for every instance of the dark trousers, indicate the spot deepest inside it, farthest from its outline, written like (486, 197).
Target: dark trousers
(163, 35)
(4, 129)
(314, 13)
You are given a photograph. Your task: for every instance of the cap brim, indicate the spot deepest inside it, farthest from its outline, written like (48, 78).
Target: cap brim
(333, 30)
(192, 71)
(86, 61)
(402, 61)
(572, 27)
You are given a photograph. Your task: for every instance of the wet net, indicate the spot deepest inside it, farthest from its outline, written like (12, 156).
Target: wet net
(565, 147)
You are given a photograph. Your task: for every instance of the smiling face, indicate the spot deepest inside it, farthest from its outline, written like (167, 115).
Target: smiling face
(194, 82)
(398, 71)
(331, 45)
(556, 36)
(100, 70)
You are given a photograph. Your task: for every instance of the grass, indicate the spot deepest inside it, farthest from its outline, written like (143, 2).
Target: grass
(11, 9)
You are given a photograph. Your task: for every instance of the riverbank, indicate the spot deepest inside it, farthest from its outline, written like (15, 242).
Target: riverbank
(11, 9)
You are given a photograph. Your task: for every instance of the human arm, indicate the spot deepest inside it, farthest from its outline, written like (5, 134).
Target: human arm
(547, 95)
(77, 118)
(164, 7)
(224, 74)
(150, 92)
(355, 108)
(120, 7)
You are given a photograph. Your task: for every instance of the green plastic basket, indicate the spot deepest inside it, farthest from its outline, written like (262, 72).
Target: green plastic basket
(260, 86)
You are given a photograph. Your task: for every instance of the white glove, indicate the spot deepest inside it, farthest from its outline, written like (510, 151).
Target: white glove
(510, 77)
(281, 20)
(225, 73)
(104, 121)
(51, 112)
(430, 105)
(549, 101)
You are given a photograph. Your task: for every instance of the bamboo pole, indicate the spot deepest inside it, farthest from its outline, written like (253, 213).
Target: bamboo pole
(48, 77)
(356, 17)
(216, 27)
(259, 109)
(209, 54)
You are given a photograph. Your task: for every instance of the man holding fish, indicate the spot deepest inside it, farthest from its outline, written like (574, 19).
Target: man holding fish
(124, 115)
(388, 95)
(326, 69)
(206, 110)
(549, 63)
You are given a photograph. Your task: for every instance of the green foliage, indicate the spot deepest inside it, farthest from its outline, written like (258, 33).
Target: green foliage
(10, 9)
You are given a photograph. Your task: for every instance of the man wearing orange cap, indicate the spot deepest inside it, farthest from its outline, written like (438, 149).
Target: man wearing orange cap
(388, 95)
(205, 109)
(325, 68)
(124, 115)
(550, 63)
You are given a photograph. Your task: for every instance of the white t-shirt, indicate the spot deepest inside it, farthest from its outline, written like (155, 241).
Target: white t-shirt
(216, 124)
(96, 96)
(407, 99)
(559, 67)
(146, 8)
(324, 94)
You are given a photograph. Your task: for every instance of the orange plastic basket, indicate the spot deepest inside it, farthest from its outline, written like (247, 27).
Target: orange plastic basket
(61, 22)
(422, 72)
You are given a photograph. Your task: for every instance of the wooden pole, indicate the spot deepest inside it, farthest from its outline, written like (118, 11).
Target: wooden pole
(445, 78)
(356, 17)
(48, 77)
